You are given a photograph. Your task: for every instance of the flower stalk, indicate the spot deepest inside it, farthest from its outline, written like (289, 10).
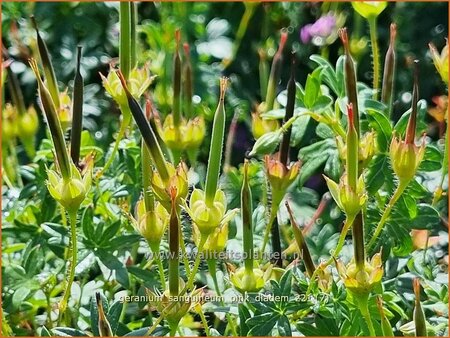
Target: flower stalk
(174, 246)
(275, 72)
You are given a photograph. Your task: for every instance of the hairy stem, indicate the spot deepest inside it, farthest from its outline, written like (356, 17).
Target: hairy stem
(375, 55)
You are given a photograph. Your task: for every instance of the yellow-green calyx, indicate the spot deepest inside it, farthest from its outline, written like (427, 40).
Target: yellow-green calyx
(9, 123)
(138, 81)
(152, 224)
(369, 9)
(261, 126)
(189, 134)
(361, 281)
(349, 201)
(177, 178)
(71, 192)
(440, 60)
(366, 150)
(280, 176)
(248, 280)
(207, 218)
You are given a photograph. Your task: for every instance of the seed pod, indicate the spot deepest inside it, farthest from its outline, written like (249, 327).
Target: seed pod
(125, 38)
(54, 124)
(350, 77)
(411, 128)
(104, 328)
(419, 316)
(215, 153)
(389, 70)
(177, 82)
(47, 65)
(77, 112)
(301, 243)
(147, 132)
(385, 324)
(16, 92)
(174, 246)
(352, 150)
(275, 72)
(291, 90)
(188, 81)
(263, 73)
(246, 215)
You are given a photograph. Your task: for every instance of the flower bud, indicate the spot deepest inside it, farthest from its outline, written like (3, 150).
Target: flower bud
(152, 224)
(216, 241)
(70, 193)
(279, 175)
(369, 9)
(267, 143)
(9, 123)
(195, 132)
(64, 110)
(385, 324)
(207, 218)
(104, 328)
(27, 127)
(262, 126)
(440, 60)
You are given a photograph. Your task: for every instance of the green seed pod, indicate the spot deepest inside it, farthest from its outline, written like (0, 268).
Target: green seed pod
(147, 132)
(47, 65)
(350, 77)
(386, 327)
(54, 124)
(301, 243)
(389, 70)
(215, 153)
(77, 112)
(177, 82)
(188, 81)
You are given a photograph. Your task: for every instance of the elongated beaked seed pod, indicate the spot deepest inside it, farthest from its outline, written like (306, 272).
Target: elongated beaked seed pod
(125, 38)
(389, 70)
(54, 125)
(263, 73)
(352, 149)
(275, 72)
(215, 152)
(104, 328)
(350, 77)
(147, 132)
(49, 72)
(301, 243)
(385, 324)
(247, 224)
(77, 112)
(291, 89)
(188, 80)
(411, 128)
(174, 245)
(419, 316)
(177, 81)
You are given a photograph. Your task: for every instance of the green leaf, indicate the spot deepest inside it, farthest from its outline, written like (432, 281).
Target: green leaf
(244, 314)
(286, 283)
(110, 231)
(87, 223)
(427, 217)
(44, 332)
(321, 103)
(375, 175)
(19, 296)
(114, 315)
(328, 75)
(112, 263)
(333, 166)
(68, 332)
(94, 313)
(382, 126)
(314, 156)
(262, 325)
(299, 128)
(312, 90)
(158, 332)
(11, 248)
(432, 159)
(284, 327)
